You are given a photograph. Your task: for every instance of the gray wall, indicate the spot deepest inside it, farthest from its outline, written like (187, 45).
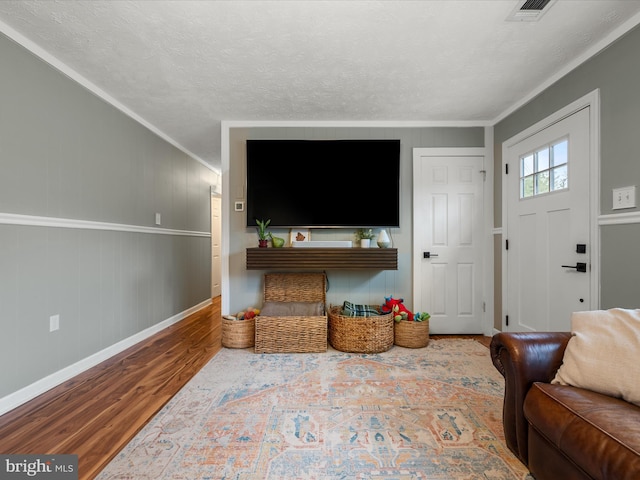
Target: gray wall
(616, 72)
(66, 154)
(358, 286)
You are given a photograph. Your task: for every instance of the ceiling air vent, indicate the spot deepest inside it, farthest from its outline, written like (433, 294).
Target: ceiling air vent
(529, 10)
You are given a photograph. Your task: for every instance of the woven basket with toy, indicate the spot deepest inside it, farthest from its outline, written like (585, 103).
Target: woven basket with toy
(409, 330)
(238, 331)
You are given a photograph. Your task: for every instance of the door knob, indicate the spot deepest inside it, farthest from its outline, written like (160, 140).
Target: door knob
(429, 254)
(580, 267)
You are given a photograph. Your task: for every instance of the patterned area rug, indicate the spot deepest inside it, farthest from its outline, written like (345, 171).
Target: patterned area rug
(429, 413)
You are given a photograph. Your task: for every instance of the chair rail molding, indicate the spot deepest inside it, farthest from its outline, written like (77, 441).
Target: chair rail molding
(36, 221)
(619, 218)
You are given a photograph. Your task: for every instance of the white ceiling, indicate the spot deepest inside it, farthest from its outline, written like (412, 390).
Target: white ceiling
(183, 66)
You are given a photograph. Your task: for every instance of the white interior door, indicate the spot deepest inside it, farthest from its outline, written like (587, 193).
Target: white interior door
(548, 255)
(448, 239)
(216, 237)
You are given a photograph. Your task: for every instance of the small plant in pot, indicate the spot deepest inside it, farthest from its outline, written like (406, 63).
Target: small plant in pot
(263, 235)
(364, 236)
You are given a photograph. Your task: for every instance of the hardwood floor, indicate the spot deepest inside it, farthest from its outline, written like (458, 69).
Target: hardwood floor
(95, 414)
(478, 338)
(98, 412)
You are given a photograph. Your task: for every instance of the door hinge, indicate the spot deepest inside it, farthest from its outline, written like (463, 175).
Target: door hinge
(506, 168)
(484, 175)
(507, 320)
(506, 244)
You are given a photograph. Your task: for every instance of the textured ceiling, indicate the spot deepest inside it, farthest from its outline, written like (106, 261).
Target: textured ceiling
(185, 66)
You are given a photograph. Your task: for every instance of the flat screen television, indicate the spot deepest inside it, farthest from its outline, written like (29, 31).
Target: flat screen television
(324, 183)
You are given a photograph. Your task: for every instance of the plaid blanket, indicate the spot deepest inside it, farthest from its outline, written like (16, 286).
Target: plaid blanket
(352, 310)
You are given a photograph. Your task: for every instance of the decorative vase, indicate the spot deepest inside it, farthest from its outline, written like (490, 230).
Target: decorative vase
(262, 243)
(277, 242)
(383, 239)
(364, 242)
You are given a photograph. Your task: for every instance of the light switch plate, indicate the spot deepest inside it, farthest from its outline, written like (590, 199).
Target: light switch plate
(624, 197)
(54, 323)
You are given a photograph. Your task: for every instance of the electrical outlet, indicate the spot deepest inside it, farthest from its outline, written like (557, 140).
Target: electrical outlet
(54, 323)
(624, 197)
(158, 219)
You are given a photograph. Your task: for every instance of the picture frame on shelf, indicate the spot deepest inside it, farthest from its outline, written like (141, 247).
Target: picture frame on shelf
(299, 235)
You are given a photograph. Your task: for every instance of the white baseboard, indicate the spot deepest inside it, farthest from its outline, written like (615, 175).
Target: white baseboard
(29, 392)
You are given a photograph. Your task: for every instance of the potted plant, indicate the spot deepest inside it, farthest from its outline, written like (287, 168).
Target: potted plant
(263, 235)
(364, 235)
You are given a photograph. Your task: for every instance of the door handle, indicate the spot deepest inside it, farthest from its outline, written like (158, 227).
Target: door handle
(580, 267)
(429, 254)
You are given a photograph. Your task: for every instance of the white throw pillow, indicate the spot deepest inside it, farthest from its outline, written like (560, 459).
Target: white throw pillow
(603, 354)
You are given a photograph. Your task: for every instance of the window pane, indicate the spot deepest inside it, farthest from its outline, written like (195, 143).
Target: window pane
(559, 177)
(527, 186)
(542, 182)
(559, 153)
(526, 166)
(543, 160)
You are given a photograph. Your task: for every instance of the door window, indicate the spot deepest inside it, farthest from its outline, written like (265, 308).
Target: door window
(544, 170)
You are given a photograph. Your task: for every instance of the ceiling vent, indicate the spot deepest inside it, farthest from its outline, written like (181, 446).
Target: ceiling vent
(529, 10)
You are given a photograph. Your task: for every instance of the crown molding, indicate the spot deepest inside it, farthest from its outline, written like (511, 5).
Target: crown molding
(63, 68)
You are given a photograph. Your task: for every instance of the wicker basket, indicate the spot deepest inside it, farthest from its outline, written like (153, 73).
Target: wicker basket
(238, 333)
(360, 334)
(292, 334)
(411, 334)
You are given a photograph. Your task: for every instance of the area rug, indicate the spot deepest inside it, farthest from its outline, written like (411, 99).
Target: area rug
(429, 413)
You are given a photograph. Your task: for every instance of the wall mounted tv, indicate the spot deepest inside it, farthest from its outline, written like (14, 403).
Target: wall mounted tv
(324, 183)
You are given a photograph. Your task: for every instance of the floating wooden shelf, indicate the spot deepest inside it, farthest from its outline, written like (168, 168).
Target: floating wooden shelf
(322, 258)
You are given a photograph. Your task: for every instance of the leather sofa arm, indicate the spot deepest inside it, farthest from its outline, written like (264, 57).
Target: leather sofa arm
(523, 358)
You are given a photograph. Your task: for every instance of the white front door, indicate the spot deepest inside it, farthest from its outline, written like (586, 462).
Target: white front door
(549, 249)
(448, 238)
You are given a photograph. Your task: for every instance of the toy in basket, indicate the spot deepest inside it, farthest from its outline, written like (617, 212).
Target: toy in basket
(239, 331)
(409, 330)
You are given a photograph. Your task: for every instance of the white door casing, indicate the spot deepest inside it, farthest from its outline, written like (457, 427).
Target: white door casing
(216, 237)
(448, 223)
(540, 289)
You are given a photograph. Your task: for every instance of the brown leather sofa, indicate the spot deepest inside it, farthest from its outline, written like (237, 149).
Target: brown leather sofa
(561, 432)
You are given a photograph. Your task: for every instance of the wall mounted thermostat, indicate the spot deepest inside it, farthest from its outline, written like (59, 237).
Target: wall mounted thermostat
(238, 206)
